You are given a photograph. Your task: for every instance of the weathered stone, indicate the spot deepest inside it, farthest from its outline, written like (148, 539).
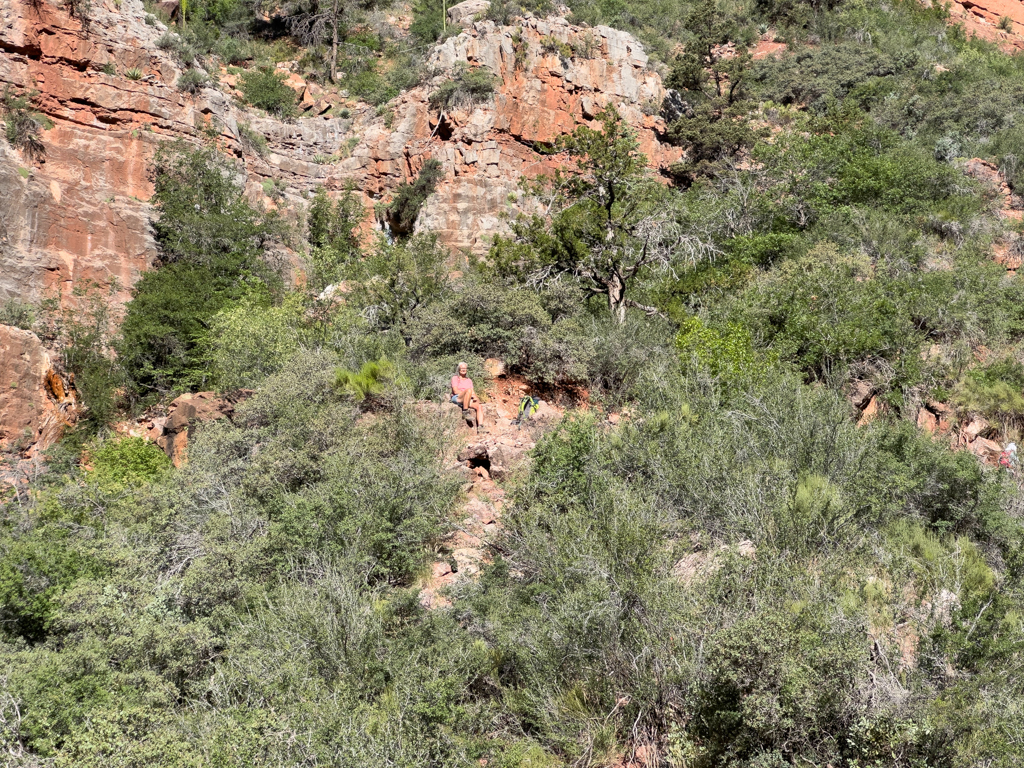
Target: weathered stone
(927, 421)
(494, 368)
(870, 411)
(859, 393)
(35, 403)
(975, 428)
(465, 13)
(187, 410)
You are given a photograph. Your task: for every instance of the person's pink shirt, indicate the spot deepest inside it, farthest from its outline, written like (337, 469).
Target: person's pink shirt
(460, 384)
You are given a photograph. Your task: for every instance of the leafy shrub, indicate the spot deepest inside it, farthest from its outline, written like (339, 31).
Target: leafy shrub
(133, 73)
(252, 141)
(80, 9)
(585, 46)
(728, 354)
(22, 124)
(467, 86)
(192, 81)
(212, 247)
(82, 332)
(127, 461)
(551, 44)
(397, 280)
(996, 391)
(504, 11)
(253, 339)
(167, 41)
(264, 88)
(428, 22)
(404, 208)
(17, 314)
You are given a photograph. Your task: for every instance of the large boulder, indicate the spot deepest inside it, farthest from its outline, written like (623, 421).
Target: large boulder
(172, 433)
(465, 13)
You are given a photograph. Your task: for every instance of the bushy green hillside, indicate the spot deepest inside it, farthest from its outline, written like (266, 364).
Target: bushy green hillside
(732, 574)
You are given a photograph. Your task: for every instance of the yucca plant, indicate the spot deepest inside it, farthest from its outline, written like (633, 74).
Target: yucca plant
(133, 74)
(367, 384)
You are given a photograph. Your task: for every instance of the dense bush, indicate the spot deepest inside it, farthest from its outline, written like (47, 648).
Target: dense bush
(466, 87)
(264, 88)
(213, 247)
(707, 563)
(405, 206)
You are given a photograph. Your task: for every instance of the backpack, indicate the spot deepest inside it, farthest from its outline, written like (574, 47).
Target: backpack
(527, 407)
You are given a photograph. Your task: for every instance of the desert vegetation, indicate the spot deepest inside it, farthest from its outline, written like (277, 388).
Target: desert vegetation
(730, 572)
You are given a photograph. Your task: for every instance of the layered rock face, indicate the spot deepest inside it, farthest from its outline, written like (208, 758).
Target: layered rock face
(35, 403)
(539, 95)
(78, 215)
(984, 19)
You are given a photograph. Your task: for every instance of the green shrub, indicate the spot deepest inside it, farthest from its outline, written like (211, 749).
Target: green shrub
(127, 461)
(367, 384)
(13, 312)
(253, 339)
(22, 124)
(728, 354)
(133, 73)
(996, 391)
(192, 81)
(404, 208)
(252, 141)
(467, 86)
(212, 247)
(264, 88)
(504, 11)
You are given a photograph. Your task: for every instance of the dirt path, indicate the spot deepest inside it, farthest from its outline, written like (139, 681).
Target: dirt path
(485, 460)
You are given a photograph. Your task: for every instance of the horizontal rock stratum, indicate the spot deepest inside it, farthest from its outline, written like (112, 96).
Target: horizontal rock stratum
(78, 215)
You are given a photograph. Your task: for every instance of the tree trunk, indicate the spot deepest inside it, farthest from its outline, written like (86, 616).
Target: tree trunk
(334, 43)
(617, 297)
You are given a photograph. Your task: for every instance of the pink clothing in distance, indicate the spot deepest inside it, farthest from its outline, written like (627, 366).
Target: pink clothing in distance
(460, 384)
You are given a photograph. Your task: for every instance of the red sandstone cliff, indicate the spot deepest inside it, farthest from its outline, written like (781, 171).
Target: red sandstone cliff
(79, 213)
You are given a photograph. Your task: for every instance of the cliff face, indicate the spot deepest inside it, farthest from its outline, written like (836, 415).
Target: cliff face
(982, 18)
(76, 215)
(79, 214)
(486, 149)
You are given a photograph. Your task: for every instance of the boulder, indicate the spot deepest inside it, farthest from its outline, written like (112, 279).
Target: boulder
(186, 411)
(976, 428)
(474, 454)
(988, 450)
(494, 368)
(464, 14)
(871, 410)
(927, 421)
(859, 393)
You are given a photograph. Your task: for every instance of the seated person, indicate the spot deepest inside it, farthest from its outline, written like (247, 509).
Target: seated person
(464, 396)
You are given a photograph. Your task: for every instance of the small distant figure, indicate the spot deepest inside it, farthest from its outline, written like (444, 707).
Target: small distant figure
(1008, 458)
(464, 396)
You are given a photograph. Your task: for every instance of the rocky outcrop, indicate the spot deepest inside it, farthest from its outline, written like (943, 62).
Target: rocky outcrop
(79, 214)
(540, 95)
(171, 432)
(36, 404)
(984, 19)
